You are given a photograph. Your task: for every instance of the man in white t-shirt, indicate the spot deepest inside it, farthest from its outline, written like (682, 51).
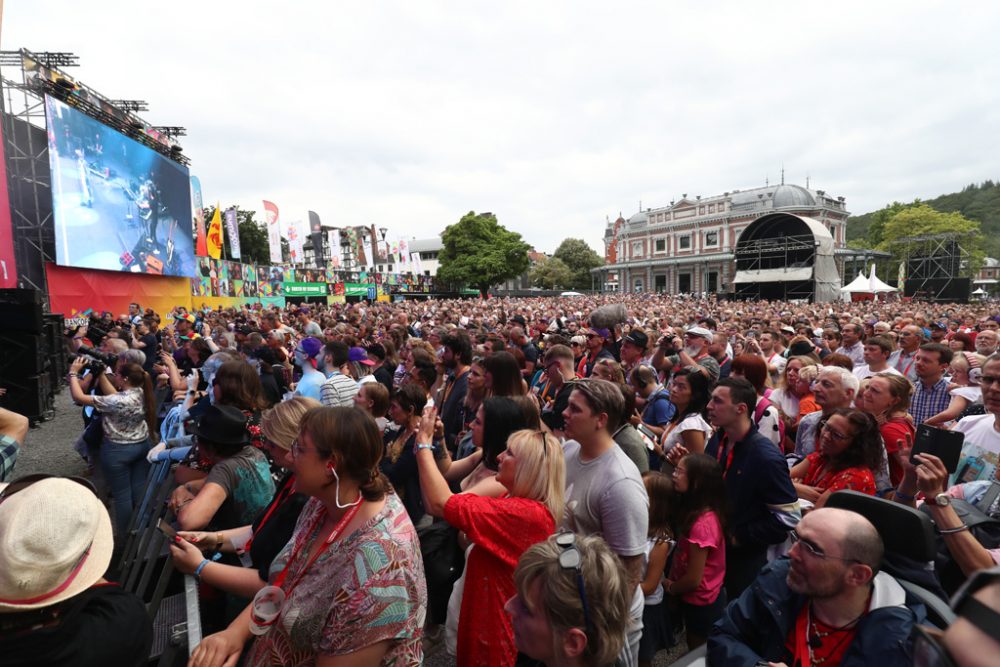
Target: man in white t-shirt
(770, 349)
(878, 349)
(981, 449)
(604, 491)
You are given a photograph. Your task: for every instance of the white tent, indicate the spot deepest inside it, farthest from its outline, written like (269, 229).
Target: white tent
(859, 284)
(876, 285)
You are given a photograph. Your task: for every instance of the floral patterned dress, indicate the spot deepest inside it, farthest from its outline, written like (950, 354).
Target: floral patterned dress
(365, 588)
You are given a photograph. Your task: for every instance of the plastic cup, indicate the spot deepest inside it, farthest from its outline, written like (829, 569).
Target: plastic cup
(265, 609)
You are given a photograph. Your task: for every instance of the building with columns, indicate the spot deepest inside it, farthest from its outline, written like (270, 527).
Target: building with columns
(687, 246)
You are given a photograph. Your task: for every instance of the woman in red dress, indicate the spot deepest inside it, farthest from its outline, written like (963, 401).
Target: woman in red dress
(850, 451)
(501, 529)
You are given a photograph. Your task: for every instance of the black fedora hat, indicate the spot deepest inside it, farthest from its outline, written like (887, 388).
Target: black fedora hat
(222, 424)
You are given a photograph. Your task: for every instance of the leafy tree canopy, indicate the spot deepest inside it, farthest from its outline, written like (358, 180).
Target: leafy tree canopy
(922, 220)
(551, 273)
(479, 251)
(580, 258)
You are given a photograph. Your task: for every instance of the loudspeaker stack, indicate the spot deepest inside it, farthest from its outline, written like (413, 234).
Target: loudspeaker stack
(32, 357)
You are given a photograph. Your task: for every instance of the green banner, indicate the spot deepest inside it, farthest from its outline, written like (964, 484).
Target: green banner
(305, 289)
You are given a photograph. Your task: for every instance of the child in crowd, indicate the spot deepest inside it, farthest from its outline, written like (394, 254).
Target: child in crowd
(657, 633)
(699, 564)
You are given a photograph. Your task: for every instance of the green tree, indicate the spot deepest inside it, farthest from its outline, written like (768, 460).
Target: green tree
(580, 258)
(479, 251)
(876, 230)
(922, 220)
(254, 246)
(551, 273)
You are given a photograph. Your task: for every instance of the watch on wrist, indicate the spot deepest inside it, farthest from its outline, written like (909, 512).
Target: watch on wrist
(942, 500)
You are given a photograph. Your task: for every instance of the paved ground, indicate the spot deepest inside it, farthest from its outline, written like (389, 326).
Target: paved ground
(49, 449)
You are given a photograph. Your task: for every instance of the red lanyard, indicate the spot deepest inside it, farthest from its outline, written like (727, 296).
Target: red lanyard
(278, 502)
(907, 369)
(803, 655)
(723, 445)
(334, 534)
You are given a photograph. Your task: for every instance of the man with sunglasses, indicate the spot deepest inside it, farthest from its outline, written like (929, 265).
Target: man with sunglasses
(826, 604)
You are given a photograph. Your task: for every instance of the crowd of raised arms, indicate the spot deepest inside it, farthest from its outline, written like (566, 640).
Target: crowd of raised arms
(520, 481)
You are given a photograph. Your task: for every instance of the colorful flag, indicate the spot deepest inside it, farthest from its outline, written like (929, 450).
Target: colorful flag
(369, 255)
(201, 247)
(295, 242)
(215, 235)
(273, 231)
(335, 248)
(234, 233)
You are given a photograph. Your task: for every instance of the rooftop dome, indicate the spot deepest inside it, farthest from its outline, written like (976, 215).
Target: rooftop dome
(792, 196)
(639, 217)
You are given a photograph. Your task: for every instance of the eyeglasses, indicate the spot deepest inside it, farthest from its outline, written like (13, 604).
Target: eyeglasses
(570, 559)
(814, 550)
(836, 435)
(986, 380)
(22, 483)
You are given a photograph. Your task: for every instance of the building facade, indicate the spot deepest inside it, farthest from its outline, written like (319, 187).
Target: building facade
(688, 245)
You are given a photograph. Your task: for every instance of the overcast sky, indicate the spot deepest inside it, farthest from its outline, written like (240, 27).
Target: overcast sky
(552, 115)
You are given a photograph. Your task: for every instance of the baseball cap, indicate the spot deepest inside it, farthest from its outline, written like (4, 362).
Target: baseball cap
(603, 333)
(359, 355)
(637, 338)
(700, 332)
(311, 346)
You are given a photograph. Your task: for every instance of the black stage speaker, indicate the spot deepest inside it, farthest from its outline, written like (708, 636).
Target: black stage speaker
(941, 290)
(21, 310)
(22, 354)
(30, 396)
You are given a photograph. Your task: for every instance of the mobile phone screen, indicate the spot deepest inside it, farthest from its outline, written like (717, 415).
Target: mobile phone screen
(166, 529)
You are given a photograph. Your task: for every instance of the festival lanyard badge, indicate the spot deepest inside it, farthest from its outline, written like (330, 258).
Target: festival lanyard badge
(269, 602)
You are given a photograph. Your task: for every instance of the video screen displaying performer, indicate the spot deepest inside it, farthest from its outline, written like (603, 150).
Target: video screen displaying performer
(117, 205)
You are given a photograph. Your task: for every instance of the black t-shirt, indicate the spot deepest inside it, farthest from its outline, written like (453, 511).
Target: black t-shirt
(102, 626)
(152, 351)
(384, 375)
(554, 418)
(271, 538)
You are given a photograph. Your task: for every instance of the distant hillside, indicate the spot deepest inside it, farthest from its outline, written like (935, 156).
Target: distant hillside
(975, 202)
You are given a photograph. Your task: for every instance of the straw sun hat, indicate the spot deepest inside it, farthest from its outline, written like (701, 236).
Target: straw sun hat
(55, 543)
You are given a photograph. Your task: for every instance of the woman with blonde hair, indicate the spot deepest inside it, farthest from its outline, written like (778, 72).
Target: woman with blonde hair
(260, 541)
(532, 470)
(888, 399)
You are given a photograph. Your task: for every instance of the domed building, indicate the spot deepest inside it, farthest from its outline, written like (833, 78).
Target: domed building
(688, 246)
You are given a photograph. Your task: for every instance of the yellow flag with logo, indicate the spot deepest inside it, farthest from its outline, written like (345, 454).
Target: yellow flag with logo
(215, 235)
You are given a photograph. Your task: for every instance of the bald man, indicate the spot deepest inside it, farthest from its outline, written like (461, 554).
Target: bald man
(827, 603)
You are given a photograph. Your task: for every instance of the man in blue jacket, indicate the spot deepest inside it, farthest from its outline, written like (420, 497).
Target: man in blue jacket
(827, 603)
(763, 505)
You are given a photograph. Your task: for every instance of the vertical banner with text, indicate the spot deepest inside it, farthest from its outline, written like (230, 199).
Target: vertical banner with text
(273, 231)
(234, 233)
(316, 235)
(198, 210)
(335, 248)
(295, 242)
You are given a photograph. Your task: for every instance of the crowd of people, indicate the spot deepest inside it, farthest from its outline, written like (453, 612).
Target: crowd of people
(559, 481)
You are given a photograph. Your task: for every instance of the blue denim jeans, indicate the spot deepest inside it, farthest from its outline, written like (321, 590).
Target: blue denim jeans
(125, 468)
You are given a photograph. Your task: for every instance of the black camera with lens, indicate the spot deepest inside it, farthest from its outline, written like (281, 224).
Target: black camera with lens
(97, 361)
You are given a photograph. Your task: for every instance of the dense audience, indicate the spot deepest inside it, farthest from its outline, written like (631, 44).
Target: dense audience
(586, 480)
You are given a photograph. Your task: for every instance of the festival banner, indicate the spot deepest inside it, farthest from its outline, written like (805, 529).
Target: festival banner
(235, 279)
(316, 235)
(335, 248)
(215, 235)
(250, 281)
(273, 231)
(295, 242)
(305, 289)
(234, 233)
(417, 266)
(198, 210)
(404, 256)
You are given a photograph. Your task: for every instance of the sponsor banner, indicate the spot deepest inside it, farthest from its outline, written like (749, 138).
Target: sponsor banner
(335, 249)
(369, 255)
(273, 231)
(234, 233)
(295, 242)
(316, 236)
(305, 289)
(198, 213)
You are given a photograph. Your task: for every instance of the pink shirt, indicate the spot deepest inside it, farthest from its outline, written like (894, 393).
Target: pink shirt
(706, 533)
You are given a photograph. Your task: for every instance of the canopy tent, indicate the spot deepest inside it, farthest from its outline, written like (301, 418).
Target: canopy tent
(877, 286)
(861, 284)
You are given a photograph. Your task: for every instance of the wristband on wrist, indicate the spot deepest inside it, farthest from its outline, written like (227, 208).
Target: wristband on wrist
(201, 566)
(904, 496)
(424, 445)
(74, 375)
(952, 531)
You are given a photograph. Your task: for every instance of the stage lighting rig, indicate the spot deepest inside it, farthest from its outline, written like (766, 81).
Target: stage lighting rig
(171, 131)
(131, 105)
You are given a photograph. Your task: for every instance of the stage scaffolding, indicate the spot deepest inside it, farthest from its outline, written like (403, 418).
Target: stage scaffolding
(937, 265)
(776, 253)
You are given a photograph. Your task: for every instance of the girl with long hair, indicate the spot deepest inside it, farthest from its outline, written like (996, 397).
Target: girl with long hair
(699, 565)
(689, 392)
(503, 375)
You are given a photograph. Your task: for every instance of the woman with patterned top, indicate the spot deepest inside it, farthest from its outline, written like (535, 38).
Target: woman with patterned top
(501, 529)
(129, 419)
(849, 454)
(352, 575)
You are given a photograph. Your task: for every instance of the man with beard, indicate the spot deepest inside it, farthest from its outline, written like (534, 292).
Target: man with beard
(827, 603)
(694, 354)
(986, 342)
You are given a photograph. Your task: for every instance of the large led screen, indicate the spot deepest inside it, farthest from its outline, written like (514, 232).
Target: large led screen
(117, 205)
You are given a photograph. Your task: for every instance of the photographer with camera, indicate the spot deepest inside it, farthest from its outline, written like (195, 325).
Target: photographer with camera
(128, 421)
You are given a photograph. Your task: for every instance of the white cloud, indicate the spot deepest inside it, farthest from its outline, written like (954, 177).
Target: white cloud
(552, 115)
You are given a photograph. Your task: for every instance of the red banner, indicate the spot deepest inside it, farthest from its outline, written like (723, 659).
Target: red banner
(8, 267)
(73, 291)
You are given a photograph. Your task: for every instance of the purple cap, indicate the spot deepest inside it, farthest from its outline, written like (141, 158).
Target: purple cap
(359, 355)
(311, 346)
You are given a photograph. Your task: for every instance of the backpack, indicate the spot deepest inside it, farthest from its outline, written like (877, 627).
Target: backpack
(759, 411)
(984, 527)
